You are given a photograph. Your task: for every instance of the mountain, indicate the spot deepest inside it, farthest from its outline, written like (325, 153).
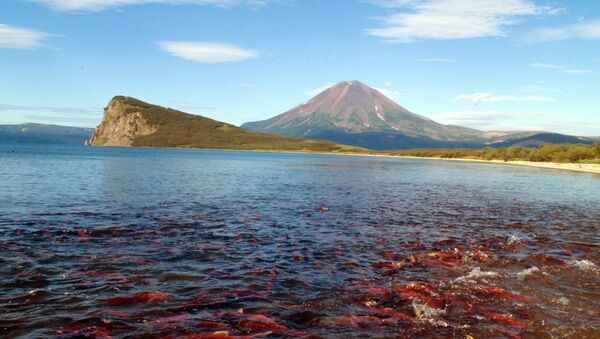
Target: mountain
(538, 139)
(353, 113)
(131, 122)
(43, 134)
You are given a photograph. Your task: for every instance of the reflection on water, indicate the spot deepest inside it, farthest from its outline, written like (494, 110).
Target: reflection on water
(103, 242)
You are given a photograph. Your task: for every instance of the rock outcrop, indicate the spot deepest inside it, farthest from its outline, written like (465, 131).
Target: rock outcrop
(121, 125)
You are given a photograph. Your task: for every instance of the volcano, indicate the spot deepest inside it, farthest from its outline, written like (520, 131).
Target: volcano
(353, 113)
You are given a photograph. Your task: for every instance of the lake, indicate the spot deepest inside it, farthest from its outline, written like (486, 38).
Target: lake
(114, 242)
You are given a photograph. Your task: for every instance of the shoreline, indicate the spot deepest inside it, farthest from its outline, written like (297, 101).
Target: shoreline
(568, 166)
(574, 167)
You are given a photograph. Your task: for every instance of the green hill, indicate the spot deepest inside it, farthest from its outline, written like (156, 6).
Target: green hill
(132, 122)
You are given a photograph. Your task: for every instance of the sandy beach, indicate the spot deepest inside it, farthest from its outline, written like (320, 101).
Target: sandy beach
(587, 168)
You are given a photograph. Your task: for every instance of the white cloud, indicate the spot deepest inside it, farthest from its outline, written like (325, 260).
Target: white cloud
(53, 109)
(207, 52)
(485, 119)
(524, 121)
(583, 30)
(561, 68)
(483, 115)
(547, 66)
(20, 38)
(452, 19)
(580, 127)
(99, 5)
(480, 97)
(576, 71)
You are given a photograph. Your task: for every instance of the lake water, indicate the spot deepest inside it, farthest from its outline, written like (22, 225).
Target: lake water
(109, 242)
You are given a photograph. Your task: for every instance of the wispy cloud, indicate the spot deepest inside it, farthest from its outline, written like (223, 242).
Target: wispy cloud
(547, 66)
(480, 97)
(21, 38)
(99, 5)
(72, 116)
(561, 68)
(451, 19)
(53, 109)
(576, 71)
(583, 30)
(581, 127)
(484, 115)
(207, 52)
(525, 121)
(70, 121)
(485, 119)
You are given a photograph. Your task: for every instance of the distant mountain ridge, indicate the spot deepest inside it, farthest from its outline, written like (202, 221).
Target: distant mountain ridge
(131, 122)
(353, 113)
(31, 133)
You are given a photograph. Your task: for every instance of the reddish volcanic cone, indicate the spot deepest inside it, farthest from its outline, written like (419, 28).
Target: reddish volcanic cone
(351, 105)
(353, 113)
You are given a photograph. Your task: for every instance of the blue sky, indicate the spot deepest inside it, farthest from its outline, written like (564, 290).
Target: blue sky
(487, 64)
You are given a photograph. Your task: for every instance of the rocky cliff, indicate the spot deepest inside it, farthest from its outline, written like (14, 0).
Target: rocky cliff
(121, 125)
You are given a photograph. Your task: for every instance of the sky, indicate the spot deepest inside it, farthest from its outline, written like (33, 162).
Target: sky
(486, 64)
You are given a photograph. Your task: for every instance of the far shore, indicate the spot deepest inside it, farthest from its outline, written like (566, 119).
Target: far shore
(587, 168)
(576, 167)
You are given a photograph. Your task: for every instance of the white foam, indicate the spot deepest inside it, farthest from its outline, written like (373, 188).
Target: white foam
(476, 273)
(425, 312)
(513, 240)
(524, 273)
(562, 300)
(585, 265)
(429, 314)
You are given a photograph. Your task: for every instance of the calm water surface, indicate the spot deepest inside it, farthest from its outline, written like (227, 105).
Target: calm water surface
(138, 243)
